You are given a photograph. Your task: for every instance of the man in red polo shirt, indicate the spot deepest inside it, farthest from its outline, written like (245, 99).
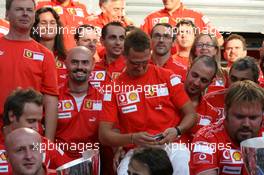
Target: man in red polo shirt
(173, 12)
(4, 27)
(79, 106)
(72, 14)
(242, 69)
(30, 65)
(24, 108)
(199, 77)
(216, 150)
(146, 101)
(112, 10)
(185, 32)
(162, 37)
(112, 62)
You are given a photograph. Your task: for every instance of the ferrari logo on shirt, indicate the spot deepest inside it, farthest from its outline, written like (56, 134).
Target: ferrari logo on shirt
(28, 54)
(33, 55)
(58, 9)
(158, 90)
(115, 75)
(3, 158)
(95, 105)
(88, 104)
(59, 64)
(67, 105)
(71, 11)
(128, 98)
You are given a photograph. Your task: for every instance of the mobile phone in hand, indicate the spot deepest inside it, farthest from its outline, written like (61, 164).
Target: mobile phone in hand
(158, 137)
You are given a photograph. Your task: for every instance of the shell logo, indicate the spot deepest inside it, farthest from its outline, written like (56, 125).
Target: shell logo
(133, 96)
(99, 75)
(67, 105)
(237, 156)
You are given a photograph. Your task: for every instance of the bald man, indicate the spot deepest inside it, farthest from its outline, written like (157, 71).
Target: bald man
(22, 152)
(79, 105)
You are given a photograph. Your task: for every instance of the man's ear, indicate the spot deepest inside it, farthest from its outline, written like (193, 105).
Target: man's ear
(11, 116)
(102, 41)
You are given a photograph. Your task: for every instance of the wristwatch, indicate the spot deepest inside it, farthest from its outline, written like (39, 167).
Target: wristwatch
(178, 131)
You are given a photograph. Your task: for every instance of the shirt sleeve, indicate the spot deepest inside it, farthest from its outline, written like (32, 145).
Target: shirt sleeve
(203, 154)
(177, 92)
(49, 80)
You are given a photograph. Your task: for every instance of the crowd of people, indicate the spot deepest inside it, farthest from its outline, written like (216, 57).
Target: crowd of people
(153, 99)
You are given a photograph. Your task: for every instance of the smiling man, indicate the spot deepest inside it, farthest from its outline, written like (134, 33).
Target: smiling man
(79, 105)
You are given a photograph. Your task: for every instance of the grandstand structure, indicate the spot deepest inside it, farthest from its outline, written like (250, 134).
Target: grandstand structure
(238, 16)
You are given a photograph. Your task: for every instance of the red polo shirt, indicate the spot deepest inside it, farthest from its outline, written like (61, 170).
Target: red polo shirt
(151, 105)
(163, 16)
(78, 127)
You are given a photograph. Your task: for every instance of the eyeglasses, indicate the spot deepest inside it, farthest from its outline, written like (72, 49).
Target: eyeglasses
(138, 63)
(206, 45)
(158, 36)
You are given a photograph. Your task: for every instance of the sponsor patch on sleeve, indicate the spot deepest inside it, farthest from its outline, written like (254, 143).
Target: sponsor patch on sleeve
(174, 80)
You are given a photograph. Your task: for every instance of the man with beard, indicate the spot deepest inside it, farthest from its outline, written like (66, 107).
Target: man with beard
(216, 147)
(30, 65)
(79, 105)
(162, 37)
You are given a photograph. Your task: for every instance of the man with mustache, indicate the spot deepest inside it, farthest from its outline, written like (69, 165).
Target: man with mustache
(79, 105)
(216, 147)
